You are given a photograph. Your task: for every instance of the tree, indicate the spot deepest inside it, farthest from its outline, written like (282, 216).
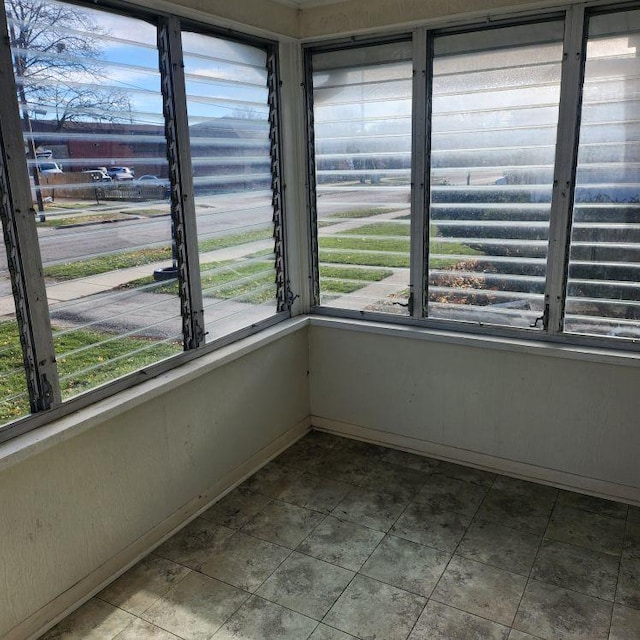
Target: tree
(57, 57)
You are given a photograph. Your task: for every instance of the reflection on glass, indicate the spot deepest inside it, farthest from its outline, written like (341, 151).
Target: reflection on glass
(227, 105)
(603, 289)
(14, 399)
(89, 97)
(495, 110)
(362, 126)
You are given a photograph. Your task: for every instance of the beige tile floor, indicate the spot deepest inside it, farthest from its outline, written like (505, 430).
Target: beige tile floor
(338, 539)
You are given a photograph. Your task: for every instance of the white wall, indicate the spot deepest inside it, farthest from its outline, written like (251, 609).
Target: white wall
(91, 499)
(546, 413)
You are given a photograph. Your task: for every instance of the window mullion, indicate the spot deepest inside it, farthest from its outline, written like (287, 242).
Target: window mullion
(23, 251)
(183, 211)
(419, 176)
(565, 169)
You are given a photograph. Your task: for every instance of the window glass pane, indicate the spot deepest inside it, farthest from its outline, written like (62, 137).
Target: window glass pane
(227, 104)
(362, 126)
(495, 111)
(14, 399)
(89, 97)
(603, 289)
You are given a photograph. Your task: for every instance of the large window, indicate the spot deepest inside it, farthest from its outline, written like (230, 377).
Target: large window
(149, 158)
(493, 131)
(362, 116)
(230, 134)
(530, 220)
(603, 291)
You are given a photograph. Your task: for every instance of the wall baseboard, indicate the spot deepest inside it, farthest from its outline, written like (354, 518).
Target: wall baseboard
(68, 601)
(525, 471)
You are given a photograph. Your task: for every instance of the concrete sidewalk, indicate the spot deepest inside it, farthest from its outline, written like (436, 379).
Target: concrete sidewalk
(100, 283)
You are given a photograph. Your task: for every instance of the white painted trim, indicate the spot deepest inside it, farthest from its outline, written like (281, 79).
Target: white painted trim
(543, 475)
(68, 601)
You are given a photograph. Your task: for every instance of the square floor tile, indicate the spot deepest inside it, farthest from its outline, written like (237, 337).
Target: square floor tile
(371, 609)
(193, 545)
(272, 480)
(315, 493)
(306, 585)
(94, 620)
(541, 493)
(520, 635)
(410, 460)
(406, 565)
(369, 508)
(593, 504)
(577, 568)
(343, 466)
(142, 630)
(625, 624)
(515, 510)
(477, 588)
(634, 514)
(500, 547)
(283, 524)
(244, 561)
(591, 530)
(323, 632)
(137, 589)
(398, 482)
(301, 454)
(628, 592)
(632, 541)
(236, 508)
(362, 448)
(451, 494)
(324, 439)
(196, 607)
(553, 613)
(262, 620)
(439, 622)
(466, 474)
(436, 528)
(345, 544)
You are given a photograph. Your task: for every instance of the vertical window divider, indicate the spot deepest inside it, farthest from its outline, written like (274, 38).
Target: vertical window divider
(420, 127)
(565, 169)
(23, 252)
(312, 202)
(284, 295)
(183, 210)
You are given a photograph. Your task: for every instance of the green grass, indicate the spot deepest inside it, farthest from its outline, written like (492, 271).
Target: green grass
(127, 259)
(86, 219)
(362, 213)
(88, 353)
(239, 275)
(381, 229)
(391, 260)
(373, 243)
(348, 279)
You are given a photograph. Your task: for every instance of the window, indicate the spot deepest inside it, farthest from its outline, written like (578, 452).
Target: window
(362, 116)
(493, 131)
(155, 192)
(230, 133)
(603, 289)
(530, 220)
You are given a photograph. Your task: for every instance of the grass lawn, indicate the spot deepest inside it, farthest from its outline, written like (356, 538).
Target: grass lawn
(90, 361)
(349, 279)
(362, 213)
(86, 219)
(127, 259)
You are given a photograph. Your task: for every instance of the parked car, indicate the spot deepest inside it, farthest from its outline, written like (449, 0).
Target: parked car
(151, 179)
(120, 173)
(48, 168)
(97, 175)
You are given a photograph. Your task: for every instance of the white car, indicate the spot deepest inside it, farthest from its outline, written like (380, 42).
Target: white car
(48, 168)
(120, 173)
